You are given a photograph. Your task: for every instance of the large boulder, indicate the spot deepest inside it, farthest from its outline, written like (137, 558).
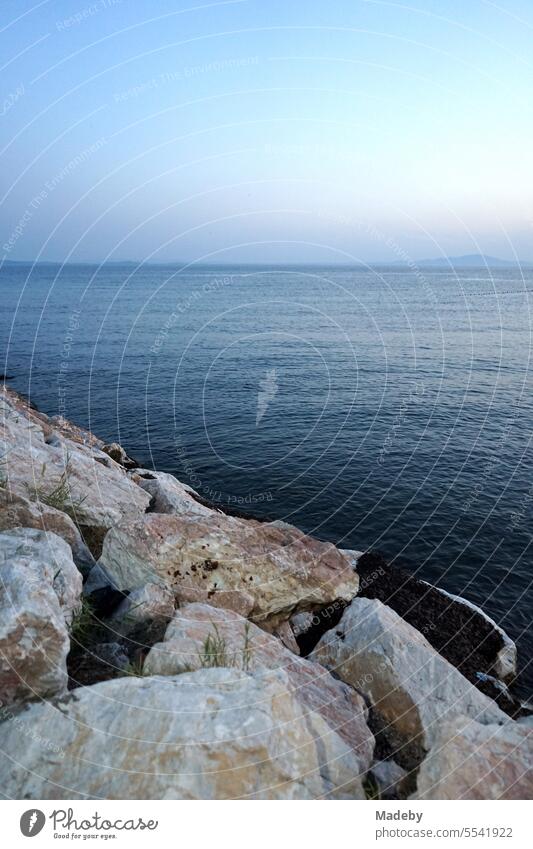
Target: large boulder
(43, 463)
(169, 495)
(473, 761)
(16, 511)
(456, 628)
(200, 635)
(259, 570)
(209, 734)
(411, 688)
(40, 588)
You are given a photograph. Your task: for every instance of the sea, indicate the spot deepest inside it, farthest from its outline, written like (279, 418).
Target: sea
(378, 408)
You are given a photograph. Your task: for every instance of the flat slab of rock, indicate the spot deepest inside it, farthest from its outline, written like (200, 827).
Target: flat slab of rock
(411, 687)
(210, 734)
(473, 761)
(247, 646)
(257, 569)
(40, 588)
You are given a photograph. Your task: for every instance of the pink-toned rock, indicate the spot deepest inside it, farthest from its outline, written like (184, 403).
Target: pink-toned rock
(283, 632)
(256, 569)
(473, 761)
(40, 590)
(208, 734)
(51, 460)
(243, 645)
(19, 512)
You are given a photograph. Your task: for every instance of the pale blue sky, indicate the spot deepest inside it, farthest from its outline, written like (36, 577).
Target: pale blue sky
(266, 131)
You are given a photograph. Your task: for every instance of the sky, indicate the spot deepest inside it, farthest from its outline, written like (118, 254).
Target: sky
(265, 131)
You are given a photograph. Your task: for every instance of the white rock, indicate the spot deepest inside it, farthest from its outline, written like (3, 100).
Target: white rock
(259, 570)
(245, 646)
(210, 734)
(40, 460)
(302, 622)
(352, 554)
(169, 494)
(473, 761)
(16, 511)
(412, 688)
(40, 589)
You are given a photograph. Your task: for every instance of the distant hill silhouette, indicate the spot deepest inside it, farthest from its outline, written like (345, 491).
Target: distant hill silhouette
(469, 261)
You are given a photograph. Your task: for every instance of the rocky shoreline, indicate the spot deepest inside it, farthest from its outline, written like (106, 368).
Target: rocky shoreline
(155, 646)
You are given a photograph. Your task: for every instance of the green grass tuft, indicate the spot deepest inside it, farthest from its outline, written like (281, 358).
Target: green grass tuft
(215, 652)
(60, 497)
(83, 622)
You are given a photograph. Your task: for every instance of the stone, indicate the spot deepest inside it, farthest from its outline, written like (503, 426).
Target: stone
(352, 555)
(43, 464)
(245, 646)
(117, 453)
(146, 603)
(284, 633)
(263, 572)
(389, 777)
(97, 579)
(17, 511)
(209, 734)
(411, 688)
(40, 590)
(469, 760)
(301, 623)
(169, 495)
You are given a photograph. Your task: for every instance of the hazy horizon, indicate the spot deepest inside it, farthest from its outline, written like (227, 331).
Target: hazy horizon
(252, 133)
(439, 263)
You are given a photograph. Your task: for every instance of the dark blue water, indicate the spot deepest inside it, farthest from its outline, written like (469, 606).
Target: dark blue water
(375, 409)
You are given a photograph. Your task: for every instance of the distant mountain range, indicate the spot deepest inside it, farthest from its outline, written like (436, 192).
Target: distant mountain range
(468, 261)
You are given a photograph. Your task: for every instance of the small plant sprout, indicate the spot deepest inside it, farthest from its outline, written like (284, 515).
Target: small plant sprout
(215, 651)
(60, 497)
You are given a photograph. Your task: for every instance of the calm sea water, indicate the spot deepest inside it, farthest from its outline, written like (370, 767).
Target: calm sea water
(376, 409)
